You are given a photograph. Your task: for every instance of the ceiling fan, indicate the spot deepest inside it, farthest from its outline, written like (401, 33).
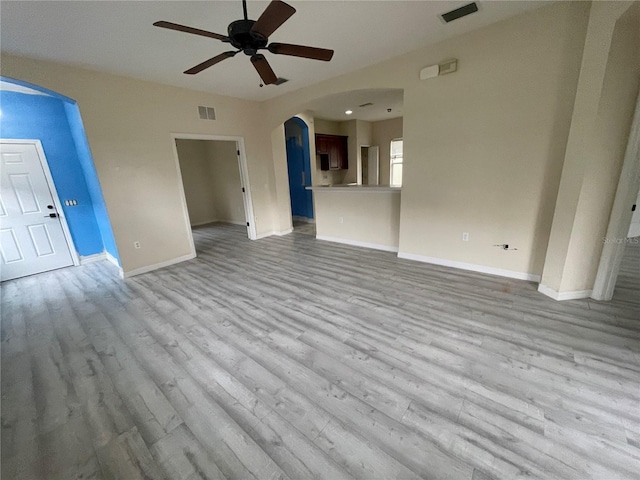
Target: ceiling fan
(250, 36)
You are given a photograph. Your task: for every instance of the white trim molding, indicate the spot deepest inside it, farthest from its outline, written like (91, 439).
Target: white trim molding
(84, 260)
(112, 259)
(244, 177)
(270, 233)
(149, 268)
(471, 266)
(550, 292)
(356, 243)
(100, 257)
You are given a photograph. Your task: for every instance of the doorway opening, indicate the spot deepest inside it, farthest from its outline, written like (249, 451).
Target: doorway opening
(299, 170)
(53, 212)
(369, 167)
(214, 181)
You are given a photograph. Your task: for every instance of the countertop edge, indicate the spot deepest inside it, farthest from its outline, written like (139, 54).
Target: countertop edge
(354, 188)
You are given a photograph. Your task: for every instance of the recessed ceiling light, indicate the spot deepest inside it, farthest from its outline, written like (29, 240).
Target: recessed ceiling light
(348, 112)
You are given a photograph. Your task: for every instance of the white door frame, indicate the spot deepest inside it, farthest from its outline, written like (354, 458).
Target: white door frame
(244, 179)
(620, 220)
(54, 193)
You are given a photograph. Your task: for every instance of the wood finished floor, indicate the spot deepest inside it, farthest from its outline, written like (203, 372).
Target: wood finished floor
(295, 358)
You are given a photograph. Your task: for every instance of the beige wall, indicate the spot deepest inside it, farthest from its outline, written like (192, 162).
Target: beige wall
(382, 133)
(363, 137)
(211, 179)
(225, 181)
(483, 147)
(197, 179)
(608, 145)
(327, 127)
(129, 125)
(606, 94)
(368, 217)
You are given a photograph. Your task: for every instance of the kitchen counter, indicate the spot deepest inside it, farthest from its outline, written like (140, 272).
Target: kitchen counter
(350, 187)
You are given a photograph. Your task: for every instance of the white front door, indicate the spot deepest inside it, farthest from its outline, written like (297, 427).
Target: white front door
(31, 236)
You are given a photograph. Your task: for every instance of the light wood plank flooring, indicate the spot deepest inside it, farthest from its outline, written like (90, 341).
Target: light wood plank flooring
(295, 358)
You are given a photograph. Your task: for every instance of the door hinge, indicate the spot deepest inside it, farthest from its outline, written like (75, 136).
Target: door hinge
(242, 189)
(633, 209)
(238, 152)
(247, 224)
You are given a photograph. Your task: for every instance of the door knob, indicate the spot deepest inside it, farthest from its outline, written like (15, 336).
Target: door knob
(50, 207)
(51, 215)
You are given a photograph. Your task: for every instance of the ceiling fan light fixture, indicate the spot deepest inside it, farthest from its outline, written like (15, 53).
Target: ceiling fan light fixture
(251, 36)
(348, 112)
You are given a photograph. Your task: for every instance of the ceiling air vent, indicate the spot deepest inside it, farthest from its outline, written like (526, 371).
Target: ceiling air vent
(460, 12)
(368, 104)
(280, 81)
(206, 113)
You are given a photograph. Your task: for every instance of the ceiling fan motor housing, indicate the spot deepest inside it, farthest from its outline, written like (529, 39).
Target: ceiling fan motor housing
(241, 37)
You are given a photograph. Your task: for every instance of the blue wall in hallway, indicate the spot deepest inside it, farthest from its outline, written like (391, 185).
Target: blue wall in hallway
(45, 118)
(91, 177)
(299, 164)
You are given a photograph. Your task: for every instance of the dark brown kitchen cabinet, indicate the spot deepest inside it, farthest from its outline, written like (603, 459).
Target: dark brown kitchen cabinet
(332, 152)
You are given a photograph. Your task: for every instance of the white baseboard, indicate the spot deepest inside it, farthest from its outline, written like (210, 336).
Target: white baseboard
(471, 266)
(273, 232)
(233, 222)
(356, 243)
(93, 258)
(149, 268)
(303, 219)
(206, 222)
(575, 295)
(116, 262)
(112, 259)
(265, 234)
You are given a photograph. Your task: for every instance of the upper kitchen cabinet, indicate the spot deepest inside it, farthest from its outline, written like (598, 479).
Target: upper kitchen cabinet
(332, 151)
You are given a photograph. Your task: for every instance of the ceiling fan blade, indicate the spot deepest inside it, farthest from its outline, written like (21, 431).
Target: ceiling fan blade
(274, 15)
(301, 51)
(208, 63)
(195, 31)
(264, 69)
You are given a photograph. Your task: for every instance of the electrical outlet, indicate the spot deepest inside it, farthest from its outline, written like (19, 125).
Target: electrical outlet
(465, 236)
(136, 244)
(341, 220)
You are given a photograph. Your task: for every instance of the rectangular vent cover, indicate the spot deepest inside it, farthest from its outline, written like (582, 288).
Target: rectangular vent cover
(460, 12)
(206, 113)
(368, 104)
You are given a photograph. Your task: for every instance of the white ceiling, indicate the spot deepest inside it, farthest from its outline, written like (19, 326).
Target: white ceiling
(118, 37)
(333, 107)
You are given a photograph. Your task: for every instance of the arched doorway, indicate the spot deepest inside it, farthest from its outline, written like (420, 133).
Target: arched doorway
(55, 213)
(299, 169)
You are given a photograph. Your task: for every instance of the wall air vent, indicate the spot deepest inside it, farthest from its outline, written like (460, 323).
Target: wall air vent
(280, 81)
(368, 104)
(460, 12)
(206, 113)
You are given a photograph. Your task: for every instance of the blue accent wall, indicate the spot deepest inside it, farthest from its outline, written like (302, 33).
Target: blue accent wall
(91, 177)
(299, 163)
(57, 124)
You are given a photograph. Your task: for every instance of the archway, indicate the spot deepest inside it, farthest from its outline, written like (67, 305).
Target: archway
(299, 169)
(32, 115)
